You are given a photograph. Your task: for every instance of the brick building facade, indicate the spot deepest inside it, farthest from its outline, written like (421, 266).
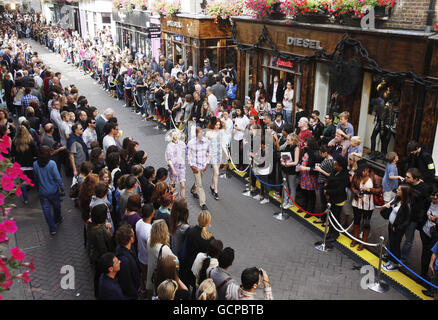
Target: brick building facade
(411, 14)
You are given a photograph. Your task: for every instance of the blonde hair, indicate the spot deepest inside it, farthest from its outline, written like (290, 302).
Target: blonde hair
(207, 290)
(345, 115)
(354, 157)
(167, 289)
(204, 220)
(23, 139)
(356, 139)
(390, 156)
(159, 233)
(294, 138)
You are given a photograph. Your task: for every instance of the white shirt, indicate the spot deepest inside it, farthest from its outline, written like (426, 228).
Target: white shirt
(107, 142)
(143, 232)
(212, 101)
(287, 99)
(89, 136)
(64, 130)
(274, 93)
(228, 129)
(197, 264)
(241, 123)
(366, 202)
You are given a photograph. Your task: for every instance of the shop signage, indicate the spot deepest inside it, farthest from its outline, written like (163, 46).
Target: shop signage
(304, 43)
(177, 38)
(174, 24)
(154, 32)
(284, 63)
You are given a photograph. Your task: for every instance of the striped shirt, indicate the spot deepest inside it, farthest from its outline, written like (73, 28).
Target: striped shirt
(198, 153)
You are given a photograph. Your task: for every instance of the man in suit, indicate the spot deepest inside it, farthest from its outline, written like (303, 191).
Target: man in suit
(100, 123)
(276, 92)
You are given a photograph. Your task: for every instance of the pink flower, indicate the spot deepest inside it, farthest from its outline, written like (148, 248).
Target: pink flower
(2, 199)
(3, 237)
(18, 191)
(7, 284)
(30, 265)
(6, 211)
(7, 183)
(24, 276)
(14, 171)
(9, 226)
(17, 254)
(5, 144)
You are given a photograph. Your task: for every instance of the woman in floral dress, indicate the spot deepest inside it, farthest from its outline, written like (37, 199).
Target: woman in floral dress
(175, 157)
(218, 147)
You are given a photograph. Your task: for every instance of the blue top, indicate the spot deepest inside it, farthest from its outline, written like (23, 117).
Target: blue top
(351, 149)
(348, 130)
(231, 91)
(109, 289)
(48, 178)
(435, 250)
(390, 171)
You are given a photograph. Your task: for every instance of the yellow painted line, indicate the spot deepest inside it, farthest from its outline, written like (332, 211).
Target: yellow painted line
(365, 254)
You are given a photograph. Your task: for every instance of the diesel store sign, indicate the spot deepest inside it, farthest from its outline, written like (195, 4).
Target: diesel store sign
(304, 43)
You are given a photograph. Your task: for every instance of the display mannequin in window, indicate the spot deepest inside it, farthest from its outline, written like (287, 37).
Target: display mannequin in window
(385, 120)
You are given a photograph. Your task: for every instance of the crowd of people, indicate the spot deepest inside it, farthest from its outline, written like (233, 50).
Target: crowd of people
(135, 219)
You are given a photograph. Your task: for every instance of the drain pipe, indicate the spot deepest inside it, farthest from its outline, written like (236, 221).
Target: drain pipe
(430, 16)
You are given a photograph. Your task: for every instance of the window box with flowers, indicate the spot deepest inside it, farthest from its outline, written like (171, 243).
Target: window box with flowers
(223, 10)
(266, 9)
(166, 7)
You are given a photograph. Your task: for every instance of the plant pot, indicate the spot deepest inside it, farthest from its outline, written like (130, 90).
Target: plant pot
(313, 18)
(380, 11)
(350, 20)
(276, 13)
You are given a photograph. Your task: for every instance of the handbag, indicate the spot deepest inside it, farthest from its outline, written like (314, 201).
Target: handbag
(378, 199)
(74, 189)
(385, 213)
(154, 274)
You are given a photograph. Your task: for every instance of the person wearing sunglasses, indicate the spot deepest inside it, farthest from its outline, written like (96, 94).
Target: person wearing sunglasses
(89, 135)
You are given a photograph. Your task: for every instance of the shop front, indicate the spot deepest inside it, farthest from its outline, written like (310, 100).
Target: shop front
(194, 38)
(138, 30)
(363, 72)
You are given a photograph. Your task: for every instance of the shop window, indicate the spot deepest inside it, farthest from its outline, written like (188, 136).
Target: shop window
(382, 117)
(231, 56)
(211, 54)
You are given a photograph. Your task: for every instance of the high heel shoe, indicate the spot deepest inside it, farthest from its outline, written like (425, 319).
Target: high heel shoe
(212, 191)
(216, 196)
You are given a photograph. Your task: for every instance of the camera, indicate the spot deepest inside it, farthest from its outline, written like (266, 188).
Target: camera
(361, 192)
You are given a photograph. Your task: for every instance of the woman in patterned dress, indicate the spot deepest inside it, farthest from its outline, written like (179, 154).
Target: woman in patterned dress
(218, 147)
(175, 157)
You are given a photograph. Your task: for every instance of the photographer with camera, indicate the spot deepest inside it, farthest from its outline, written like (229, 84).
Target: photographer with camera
(251, 280)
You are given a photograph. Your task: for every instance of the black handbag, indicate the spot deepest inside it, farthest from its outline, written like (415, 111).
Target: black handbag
(154, 274)
(385, 213)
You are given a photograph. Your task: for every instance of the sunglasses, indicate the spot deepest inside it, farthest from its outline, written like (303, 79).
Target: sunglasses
(434, 195)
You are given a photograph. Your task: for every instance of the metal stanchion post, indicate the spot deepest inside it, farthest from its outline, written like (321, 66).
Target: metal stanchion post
(379, 285)
(280, 215)
(322, 246)
(247, 193)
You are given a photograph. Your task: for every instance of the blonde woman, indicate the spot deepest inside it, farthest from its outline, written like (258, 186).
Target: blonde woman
(198, 239)
(167, 289)
(158, 247)
(206, 290)
(175, 156)
(347, 209)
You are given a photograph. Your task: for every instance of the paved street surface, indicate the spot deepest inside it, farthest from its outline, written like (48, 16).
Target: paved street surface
(284, 249)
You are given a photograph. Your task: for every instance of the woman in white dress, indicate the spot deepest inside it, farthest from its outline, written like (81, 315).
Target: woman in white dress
(218, 147)
(260, 90)
(175, 157)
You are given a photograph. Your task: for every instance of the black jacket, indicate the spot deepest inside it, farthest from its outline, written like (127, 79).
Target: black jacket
(129, 274)
(336, 184)
(423, 162)
(328, 134)
(402, 219)
(420, 203)
(279, 95)
(317, 131)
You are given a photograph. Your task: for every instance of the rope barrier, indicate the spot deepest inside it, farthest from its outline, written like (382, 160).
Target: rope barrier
(345, 231)
(161, 119)
(299, 207)
(126, 96)
(267, 184)
(410, 270)
(235, 168)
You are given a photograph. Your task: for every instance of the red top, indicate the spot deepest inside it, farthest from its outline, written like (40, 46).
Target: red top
(302, 136)
(254, 112)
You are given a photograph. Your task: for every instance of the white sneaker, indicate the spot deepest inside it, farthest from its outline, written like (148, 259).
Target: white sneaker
(264, 201)
(257, 197)
(223, 176)
(390, 266)
(287, 205)
(124, 106)
(138, 113)
(277, 195)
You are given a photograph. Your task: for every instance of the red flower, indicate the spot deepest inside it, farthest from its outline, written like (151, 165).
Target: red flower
(30, 265)
(9, 226)
(17, 254)
(314, 10)
(24, 276)
(7, 183)
(325, 7)
(5, 144)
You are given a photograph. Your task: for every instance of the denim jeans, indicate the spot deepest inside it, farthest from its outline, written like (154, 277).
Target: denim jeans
(409, 239)
(47, 202)
(288, 116)
(292, 183)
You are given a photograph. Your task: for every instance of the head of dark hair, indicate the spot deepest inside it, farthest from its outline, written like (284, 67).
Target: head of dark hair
(138, 157)
(99, 214)
(130, 181)
(86, 167)
(161, 173)
(316, 112)
(124, 234)
(148, 172)
(166, 200)
(101, 189)
(250, 277)
(412, 146)
(95, 153)
(214, 248)
(134, 203)
(226, 257)
(106, 261)
(147, 210)
(416, 174)
(112, 160)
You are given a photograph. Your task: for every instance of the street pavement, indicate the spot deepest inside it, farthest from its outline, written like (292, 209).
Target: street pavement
(284, 249)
